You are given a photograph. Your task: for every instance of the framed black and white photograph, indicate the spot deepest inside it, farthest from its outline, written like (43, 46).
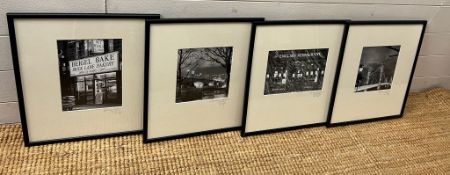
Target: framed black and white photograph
(78, 76)
(95, 73)
(376, 71)
(376, 68)
(195, 76)
(203, 73)
(291, 74)
(295, 70)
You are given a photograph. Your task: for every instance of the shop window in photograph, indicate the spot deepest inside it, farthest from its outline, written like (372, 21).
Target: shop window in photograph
(90, 73)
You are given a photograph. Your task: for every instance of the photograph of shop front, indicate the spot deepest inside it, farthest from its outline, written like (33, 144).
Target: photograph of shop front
(90, 73)
(295, 70)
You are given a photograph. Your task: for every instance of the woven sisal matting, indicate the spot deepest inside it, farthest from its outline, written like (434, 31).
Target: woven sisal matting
(418, 143)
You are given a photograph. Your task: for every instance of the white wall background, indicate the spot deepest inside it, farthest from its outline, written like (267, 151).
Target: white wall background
(433, 68)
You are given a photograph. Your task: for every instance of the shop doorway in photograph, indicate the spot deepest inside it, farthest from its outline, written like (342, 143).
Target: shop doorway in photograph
(90, 72)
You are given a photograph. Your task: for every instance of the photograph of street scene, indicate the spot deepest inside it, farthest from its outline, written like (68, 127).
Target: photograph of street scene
(90, 73)
(295, 70)
(203, 73)
(376, 68)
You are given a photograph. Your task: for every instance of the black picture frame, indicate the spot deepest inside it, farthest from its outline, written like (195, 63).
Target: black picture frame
(12, 33)
(338, 71)
(147, 70)
(344, 22)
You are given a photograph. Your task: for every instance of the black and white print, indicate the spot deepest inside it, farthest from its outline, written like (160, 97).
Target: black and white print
(295, 70)
(90, 73)
(376, 68)
(203, 73)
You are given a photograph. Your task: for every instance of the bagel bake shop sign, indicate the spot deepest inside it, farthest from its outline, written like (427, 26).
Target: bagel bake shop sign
(97, 64)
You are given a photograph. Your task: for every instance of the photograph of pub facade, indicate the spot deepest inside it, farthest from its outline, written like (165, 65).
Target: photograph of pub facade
(295, 70)
(90, 73)
(376, 68)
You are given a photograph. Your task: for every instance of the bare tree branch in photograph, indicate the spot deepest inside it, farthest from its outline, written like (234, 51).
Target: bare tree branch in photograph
(219, 55)
(184, 56)
(192, 66)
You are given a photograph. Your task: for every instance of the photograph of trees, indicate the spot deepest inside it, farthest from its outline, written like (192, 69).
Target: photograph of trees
(203, 73)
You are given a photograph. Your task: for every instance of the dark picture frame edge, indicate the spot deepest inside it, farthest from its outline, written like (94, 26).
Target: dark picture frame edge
(203, 20)
(147, 71)
(15, 58)
(83, 15)
(419, 45)
(344, 22)
(194, 134)
(283, 129)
